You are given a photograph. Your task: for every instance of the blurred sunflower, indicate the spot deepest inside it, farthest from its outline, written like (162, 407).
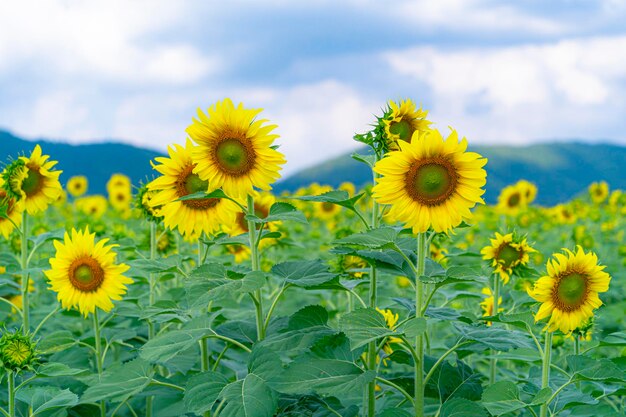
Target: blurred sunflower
(390, 320)
(84, 273)
(77, 185)
(240, 252)
(348, 187)
(599, 191)
(262, 204)
(511, 200)
(190, 217)
(487, 305)
(563, 214)
(94, 206)
(506, 253)
(32, 181)
(118, 181)
(354, 266)
(13, 214)
(431, 182)
(402, 121)
(569, 292)
(528, 189)
(234, 151)
(120, 198)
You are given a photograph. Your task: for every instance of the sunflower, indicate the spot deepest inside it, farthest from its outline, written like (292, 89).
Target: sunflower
(599, 191)
(563, 214)
(190, 217)
(13, 215)
(487, 305)
(511, 200)
(529, 189)
(390, 320)
(431, 182)
(240, 252)
(120, 198)
(33, 181)
(234, 150)
(84, 273)
(348, 187)
(94, 206)
(354, 266)
(402, 121)
(506, 253)
(569, 291)
(77, 185)
(143, 202)
(325, 211)
(118, 181)
(262, 204)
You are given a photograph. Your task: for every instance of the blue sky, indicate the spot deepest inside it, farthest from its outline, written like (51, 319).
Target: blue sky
(511, 72)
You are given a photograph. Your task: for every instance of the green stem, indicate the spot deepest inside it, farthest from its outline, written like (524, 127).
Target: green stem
(167, 385)
(397, 387)
(11, 386)
(254, 249)
(576, 345)
(98, 347)
(372, 352)
(419, 340)
(25, 275)
(496, 296)
(152, 283)
(273, 306)
(545, 370)
(45, 319)
(442, 358)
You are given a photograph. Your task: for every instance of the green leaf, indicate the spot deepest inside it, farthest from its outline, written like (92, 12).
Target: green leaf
(151, 266)
(394, 412)
(281, 212)
(589, 369)
(370, 160)
(202, 391)
(120, 381)
(413, 327)
(212, 281)
(501, 398)
(304, 273)
(57, 234)
(57, 342)
(381, 238)
(323, 376)
(47, 398)
(264, 363)
(308, 316)
(54, 369)
(460, 407)
(338, 197)
(363, 326)
(201, 195)
(167, 345)
(249, 397)
(496, 339)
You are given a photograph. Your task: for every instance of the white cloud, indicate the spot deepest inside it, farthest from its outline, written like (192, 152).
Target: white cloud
(564, 89)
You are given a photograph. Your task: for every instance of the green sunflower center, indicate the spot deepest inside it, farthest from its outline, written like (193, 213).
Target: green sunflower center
(235, 155)
(403, 129)
(514, 200)
(571, 291)
(86, 274)
(18, 352)
(432, 181)
(193, 184)
(508, 255)
(190, 183)
(32, 183)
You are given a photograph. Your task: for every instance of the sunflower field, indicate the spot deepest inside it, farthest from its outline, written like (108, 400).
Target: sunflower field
(201, 293)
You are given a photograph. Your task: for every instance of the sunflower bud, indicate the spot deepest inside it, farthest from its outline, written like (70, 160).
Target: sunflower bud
(17, 351)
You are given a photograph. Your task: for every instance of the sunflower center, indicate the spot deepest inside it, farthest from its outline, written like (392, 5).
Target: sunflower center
(190, 183)
(18, 352)
(259, 211)
(514, 200)
(33, 182)
(235, 155)
(86, 274)
(402, 129)
(432, 181)
(571, 291)
(328, 207)
(508, 255)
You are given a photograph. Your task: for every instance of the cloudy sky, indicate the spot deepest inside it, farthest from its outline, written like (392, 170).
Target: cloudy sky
(136, 70)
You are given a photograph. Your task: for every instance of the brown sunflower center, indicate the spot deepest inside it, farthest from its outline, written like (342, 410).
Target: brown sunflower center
(259, 211)
(508, 255)
(570, 291)
(328, 207)
(33, 183)
(431, 181)
(403, 129)
(514, 200)
(86, 274)
(190, 183)
(235, 155)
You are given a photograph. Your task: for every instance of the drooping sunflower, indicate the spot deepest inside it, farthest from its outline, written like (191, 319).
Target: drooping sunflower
(94, 206)
(32, 181)
(403, 120)
(143, 202)
(190, 217)
(512, 200)
(12, 212)
(84, 273)
(506, 253)
(77, 185)
(569, 291)
(599, 191)
(431, 182)
(235, 151)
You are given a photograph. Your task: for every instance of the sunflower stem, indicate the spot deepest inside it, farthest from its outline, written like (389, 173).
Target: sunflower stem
(152, 278)
(98, 346)
(254, 249)
(419, 340)
(11, 388)
(25, 275)
(545, 370)
(576, 345)
(496, 296)
(372, 352)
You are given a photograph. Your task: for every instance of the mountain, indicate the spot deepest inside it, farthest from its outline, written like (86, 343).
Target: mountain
(97, 161)
(560, 170)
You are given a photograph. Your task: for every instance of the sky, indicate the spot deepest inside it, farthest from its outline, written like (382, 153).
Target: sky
(136, 71)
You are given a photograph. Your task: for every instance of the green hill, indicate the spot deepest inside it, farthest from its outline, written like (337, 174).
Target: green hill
(96, 161)
(560, 170)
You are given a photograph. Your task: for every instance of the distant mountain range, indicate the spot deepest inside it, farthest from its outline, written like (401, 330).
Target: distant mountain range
(560, 170)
